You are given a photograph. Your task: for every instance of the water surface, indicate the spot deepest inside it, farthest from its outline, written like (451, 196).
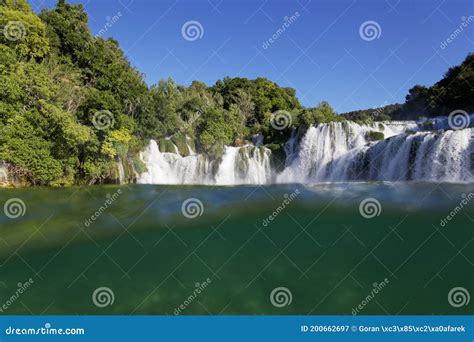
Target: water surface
(317, 245)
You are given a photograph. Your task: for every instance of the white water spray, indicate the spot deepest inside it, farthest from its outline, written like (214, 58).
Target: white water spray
(338, 151)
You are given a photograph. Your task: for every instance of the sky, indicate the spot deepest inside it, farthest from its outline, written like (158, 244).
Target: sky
(355, 54)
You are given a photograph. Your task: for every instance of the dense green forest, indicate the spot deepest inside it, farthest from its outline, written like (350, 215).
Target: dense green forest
(453, 92)
(71, 104)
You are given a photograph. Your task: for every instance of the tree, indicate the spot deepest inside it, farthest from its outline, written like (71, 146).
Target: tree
(322, 113)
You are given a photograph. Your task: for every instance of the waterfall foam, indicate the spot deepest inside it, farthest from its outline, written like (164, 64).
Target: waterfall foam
(337, 151)
(238, 165)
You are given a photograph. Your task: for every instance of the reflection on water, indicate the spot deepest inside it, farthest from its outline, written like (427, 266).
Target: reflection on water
(134, 244)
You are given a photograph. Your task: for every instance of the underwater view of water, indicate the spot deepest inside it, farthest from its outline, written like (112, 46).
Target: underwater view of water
(336, 248)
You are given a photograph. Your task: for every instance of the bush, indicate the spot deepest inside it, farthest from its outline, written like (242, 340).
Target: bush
(374, 136)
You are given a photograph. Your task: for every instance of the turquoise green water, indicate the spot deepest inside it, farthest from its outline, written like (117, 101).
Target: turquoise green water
(319, 247)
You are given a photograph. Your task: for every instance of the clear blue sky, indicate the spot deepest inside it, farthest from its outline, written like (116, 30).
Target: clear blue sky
(321, 54)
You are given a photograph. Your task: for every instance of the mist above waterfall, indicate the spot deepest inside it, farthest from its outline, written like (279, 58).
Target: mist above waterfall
(333, 152)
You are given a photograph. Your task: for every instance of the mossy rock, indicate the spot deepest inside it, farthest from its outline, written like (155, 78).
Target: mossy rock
(216, 151)
(138, 165)
(374, 136)
(166, 145)
(181, 143)
(243, 160)
(191, 143)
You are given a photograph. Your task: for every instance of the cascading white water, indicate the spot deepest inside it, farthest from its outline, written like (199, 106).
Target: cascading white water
(171, 168)
(338, 151)
(239, 165)
(3, 172)
(121, 171)
(341, 152)
(244, 165)
(324, 152)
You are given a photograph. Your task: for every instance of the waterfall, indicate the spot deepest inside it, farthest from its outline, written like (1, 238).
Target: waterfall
(3, 172)
(171, 168)
(342, 152)
(333, 152)
(238, 165)
(121, 171)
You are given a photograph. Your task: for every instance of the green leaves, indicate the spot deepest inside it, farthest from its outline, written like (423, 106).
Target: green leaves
(23, 32)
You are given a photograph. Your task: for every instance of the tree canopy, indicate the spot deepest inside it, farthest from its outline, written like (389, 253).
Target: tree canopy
(71, 104)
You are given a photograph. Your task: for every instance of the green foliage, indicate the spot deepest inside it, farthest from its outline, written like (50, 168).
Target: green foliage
(265, 95)
(166, 145)
(23, 31)
(57, 79)
(454, 91)
(322, 113)
(214, 129)
(367, 116)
